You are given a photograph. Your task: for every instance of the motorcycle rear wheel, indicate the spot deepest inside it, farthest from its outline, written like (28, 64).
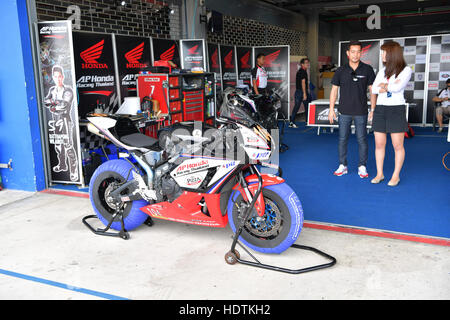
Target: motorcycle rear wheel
(103, 181)
(280, 226)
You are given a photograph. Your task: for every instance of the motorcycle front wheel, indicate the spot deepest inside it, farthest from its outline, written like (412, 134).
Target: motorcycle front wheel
(277, 229)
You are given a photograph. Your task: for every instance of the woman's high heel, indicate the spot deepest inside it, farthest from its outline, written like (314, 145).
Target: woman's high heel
(377, 180)
(393, 184)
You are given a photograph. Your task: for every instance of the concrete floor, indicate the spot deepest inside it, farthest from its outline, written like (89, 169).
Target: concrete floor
(42, 236)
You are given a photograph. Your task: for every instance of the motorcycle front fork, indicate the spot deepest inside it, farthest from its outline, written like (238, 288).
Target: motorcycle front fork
(233, 256)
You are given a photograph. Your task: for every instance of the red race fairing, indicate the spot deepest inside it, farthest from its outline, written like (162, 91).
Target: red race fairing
(186, 209)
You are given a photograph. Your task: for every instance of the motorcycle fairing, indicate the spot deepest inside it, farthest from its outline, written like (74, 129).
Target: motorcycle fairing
(204, 208)
(190, 207)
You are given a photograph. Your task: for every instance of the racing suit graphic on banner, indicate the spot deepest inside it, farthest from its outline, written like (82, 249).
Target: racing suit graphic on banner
(59, 102)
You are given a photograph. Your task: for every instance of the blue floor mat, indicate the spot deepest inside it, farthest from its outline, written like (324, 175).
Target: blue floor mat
(420, 204)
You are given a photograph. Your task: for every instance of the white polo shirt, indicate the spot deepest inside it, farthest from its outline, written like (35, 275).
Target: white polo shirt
(396, 86)
(445, 94)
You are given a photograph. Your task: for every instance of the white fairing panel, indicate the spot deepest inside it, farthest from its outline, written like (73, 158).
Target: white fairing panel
(255, 145)
(191, 173)
(102, 122)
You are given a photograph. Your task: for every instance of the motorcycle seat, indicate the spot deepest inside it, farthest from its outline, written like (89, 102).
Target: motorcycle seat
(138, 140)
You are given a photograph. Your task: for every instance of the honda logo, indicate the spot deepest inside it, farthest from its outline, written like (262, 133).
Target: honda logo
(91, 55)
(244, 60)
(133, 56)
(168, 54)
(229, 60)
(271, 58)
(214, 58)
(193, 50)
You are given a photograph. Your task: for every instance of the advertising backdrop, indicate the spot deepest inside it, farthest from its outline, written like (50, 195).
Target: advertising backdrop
(166, 50)
(439, 69)
(228, 64)
(193, 54)
(214, 63)
(277, 67)
(244, 58)
(133, 56)
(95, 72)
(60, 101)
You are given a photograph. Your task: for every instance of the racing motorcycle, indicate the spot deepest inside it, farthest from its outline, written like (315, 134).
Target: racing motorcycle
(263, 108)
(196, 174)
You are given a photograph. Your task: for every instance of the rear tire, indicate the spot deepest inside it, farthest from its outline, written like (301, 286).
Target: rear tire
(282, 222)
(114, 171)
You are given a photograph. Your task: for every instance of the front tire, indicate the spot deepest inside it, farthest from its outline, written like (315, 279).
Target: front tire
(281, 224)
(102, 181)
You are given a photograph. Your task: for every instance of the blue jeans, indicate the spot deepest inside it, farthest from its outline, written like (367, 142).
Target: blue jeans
(345, 122)
(298, 101)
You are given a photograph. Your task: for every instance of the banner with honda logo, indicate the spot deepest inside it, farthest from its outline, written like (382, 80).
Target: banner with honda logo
(214, 63)
(193, 54)
(133, 56)
(277, 61)
(166, 50)
(95, 72)
(59, 101)
(244, 57)
(228, 66)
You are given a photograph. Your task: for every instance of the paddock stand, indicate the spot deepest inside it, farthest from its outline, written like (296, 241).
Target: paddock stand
(233, 256)
(123, 233)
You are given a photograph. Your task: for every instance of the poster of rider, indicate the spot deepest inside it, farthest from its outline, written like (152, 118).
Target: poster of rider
(244, 57)
(59, 101)
(277, 63)
(95, 72)
(133, 56)
(370, 53)
(228, 64)
(193, 54)
(166, 50)
(214, 64)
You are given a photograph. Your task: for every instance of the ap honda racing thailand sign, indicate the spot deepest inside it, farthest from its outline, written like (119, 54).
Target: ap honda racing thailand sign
(193, 54)
(133, 56)
(95, 72)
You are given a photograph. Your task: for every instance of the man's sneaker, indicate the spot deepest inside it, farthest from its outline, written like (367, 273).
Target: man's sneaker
(440, 129)
(341, 170)
(292, 125)
(362, 171)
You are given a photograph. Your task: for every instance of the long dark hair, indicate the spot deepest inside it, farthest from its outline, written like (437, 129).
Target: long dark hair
(395, 62)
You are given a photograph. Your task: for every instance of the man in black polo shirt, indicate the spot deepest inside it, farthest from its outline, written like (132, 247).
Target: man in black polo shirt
(302, 94)
(352, 80)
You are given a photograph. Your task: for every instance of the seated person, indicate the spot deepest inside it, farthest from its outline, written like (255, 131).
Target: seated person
(443, 97)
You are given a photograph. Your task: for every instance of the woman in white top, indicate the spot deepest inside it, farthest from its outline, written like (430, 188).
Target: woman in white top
(388, 110)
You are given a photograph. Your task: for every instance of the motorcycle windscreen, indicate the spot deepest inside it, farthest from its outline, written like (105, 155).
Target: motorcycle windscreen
(237, 113)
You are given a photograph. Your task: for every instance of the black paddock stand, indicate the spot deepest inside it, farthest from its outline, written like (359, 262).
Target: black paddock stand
(233, 256)
(123, 233)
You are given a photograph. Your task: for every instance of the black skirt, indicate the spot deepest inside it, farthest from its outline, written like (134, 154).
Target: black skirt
(390, 119)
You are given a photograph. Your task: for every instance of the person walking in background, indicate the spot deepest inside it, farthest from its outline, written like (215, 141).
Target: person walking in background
(388, 109)
(352, 80)
(302, 94)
